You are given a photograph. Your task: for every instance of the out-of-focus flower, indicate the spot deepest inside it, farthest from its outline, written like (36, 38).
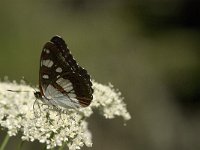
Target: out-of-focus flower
(54, 128)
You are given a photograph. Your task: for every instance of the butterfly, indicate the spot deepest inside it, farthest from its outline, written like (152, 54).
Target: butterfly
(62, 82)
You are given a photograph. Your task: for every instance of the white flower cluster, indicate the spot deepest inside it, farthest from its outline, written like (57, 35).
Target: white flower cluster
(54, 128)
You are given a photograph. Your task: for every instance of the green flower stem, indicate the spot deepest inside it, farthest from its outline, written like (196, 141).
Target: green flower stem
(62, 147)
(20, 145)
(5, 141)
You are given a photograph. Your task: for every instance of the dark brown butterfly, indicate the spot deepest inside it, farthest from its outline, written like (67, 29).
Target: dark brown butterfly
(62, 81)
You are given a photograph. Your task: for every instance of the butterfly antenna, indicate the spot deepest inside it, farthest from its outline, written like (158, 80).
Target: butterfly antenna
(23, 81)
(17, 91)
(26, 81)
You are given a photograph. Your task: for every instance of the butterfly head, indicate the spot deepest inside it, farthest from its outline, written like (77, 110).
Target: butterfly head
(37, 95)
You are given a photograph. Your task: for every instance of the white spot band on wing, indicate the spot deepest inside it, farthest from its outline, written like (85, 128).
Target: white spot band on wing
(45, 76)
(60, 99)
(65, 84)
(59, 69)
(47, 63)
(47, 51)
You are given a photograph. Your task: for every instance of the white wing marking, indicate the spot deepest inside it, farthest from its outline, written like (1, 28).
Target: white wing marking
(65, 84)
(59, 69)
(45, 76)
(57, 98)
(47, 63)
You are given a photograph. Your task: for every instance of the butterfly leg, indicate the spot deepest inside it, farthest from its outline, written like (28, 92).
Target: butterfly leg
(60, 115)
(34, 109)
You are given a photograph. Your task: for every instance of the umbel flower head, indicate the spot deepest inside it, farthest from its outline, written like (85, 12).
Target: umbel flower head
(53, 127)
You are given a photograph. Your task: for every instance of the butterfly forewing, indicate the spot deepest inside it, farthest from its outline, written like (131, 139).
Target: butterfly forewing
(62, 80)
